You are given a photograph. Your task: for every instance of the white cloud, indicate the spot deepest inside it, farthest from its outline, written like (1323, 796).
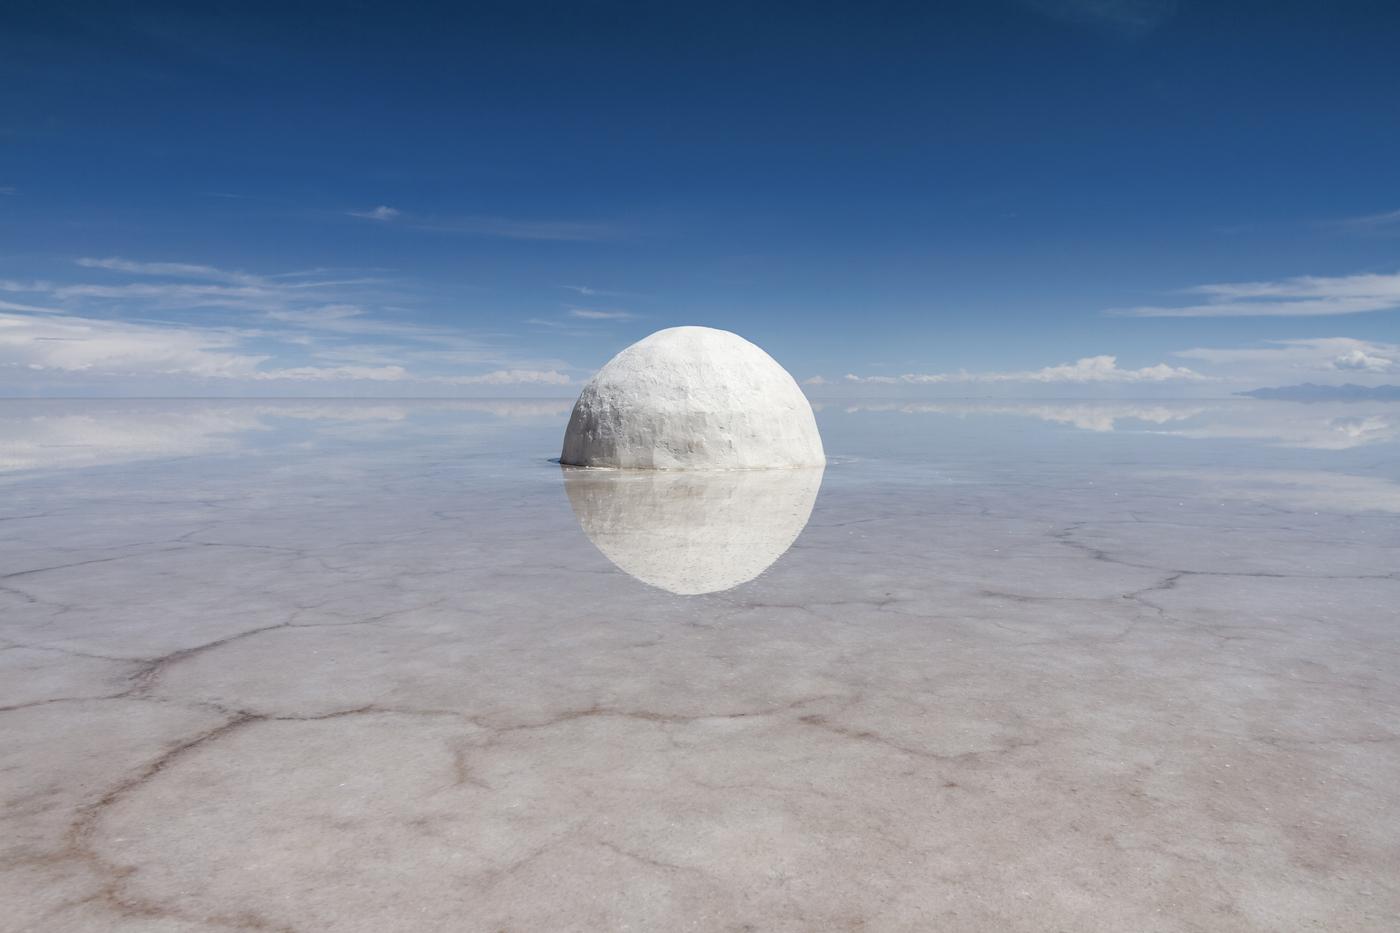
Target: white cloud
(1321, 426)
(7, 189)
(1097, 369)
(113, 348)
(1326, 360)
(1295, 297)
(10, 285)
(181, 270)
(196, 286)
(594, 314)
(592, 292)
(511, 377)
(107, 348)
(294, 327)
(323, 373)
(382, 212)
(815, 381)
(175, 295)
(350, 319)
(86, 345)
(502, 227)
(1370, 221)
(509, 229)
(1090, 416)
(1362, 361)
(14, 306)
(1284, 359)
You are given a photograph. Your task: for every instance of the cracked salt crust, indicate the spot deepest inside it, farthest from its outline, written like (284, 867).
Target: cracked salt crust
(345, 687)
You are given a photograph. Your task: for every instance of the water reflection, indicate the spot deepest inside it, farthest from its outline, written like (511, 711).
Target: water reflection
(39, 435)
(693, 532)
(55, 434)
(1312, 425)
(1088, 416)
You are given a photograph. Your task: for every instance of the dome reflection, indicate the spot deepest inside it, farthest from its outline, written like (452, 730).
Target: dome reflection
(693, 532)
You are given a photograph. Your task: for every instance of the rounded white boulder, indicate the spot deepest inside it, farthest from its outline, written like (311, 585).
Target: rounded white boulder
(692, 398)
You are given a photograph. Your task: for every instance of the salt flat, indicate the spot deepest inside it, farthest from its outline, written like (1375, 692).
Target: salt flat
(369, 666)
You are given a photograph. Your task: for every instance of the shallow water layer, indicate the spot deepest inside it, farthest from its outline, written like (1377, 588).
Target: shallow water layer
(368, 666)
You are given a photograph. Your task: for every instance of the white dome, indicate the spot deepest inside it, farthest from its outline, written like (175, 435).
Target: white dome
(692, 398)
(693, 532)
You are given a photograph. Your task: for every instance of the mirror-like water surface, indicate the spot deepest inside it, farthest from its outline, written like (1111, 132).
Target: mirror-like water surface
(351, 666)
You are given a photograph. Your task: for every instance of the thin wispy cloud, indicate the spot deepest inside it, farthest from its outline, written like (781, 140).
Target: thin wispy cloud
(382, 212)
(13, 285)
(75, 344)
(589, 291)
(1302, 296)
(568, 327)
(505, 228)
(180, 270)
(197, 286)
(16, 306)
(1089, 369)
(8, 189)
(353, 320)
(512, 377)
(1130, 18)
(1304, 357)
(597, 314)
(296, 327)
(1369, 222)
(60, 344)
(488, 226)
(1321, 360)
(1089, 416)
(582, 322)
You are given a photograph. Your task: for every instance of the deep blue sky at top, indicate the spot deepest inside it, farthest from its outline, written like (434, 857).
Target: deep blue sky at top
(860, 187)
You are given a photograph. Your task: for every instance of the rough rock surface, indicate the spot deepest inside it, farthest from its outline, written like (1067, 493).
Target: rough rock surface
(692, 398)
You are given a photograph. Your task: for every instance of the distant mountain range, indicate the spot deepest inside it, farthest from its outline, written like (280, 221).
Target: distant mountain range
(1307, 392)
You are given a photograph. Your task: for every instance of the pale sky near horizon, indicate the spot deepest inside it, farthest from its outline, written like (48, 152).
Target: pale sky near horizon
(1059, 198)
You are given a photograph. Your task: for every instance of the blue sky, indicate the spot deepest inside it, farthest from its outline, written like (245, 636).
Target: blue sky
(1045, 197)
